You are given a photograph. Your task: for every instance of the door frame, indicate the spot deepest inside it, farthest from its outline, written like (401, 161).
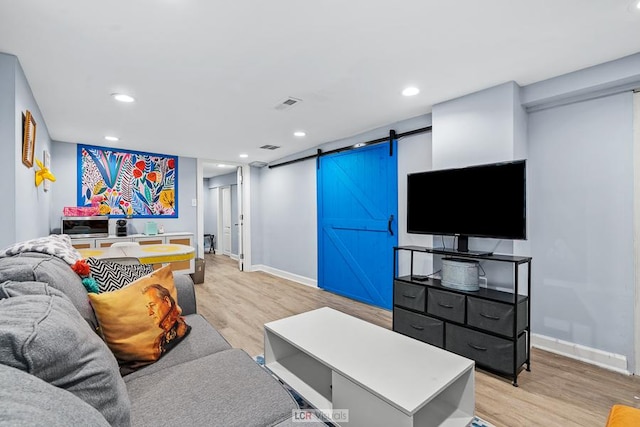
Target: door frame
(240, 219)
(636, 226)
(221, 214)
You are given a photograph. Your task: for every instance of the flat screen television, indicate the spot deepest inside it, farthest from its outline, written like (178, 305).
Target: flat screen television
(477, 201)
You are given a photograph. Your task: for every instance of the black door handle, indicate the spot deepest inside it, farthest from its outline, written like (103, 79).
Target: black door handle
(389, 224)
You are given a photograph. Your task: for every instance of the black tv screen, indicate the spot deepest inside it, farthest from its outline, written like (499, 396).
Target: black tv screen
(479, 201)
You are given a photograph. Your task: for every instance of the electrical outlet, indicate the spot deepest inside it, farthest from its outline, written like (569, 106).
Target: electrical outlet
(194, 202)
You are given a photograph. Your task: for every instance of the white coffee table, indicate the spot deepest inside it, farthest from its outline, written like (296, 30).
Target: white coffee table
(337, 361)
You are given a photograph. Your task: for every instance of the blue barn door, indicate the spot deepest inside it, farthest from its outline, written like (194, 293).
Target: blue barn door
(357, 222)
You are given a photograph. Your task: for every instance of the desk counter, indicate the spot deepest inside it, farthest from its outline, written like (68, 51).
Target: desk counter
(181, 257)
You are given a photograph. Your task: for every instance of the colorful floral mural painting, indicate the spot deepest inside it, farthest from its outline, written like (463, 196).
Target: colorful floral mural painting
(127, 183)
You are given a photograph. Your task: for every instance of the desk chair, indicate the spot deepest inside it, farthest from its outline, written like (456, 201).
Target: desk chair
(124, 244)
(211, 238)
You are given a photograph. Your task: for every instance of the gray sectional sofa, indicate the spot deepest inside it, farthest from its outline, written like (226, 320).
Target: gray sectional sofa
(56, 371)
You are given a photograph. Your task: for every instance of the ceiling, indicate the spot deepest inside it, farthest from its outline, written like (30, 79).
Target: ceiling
(207, 75)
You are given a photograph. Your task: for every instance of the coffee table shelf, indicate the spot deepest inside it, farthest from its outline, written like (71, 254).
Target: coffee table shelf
(336, 361)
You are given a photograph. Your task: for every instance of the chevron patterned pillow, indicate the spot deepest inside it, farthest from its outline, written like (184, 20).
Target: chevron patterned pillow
(112, 276)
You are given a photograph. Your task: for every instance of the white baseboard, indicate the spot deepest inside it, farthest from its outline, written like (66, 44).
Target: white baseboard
(285, 275)
(603, 359)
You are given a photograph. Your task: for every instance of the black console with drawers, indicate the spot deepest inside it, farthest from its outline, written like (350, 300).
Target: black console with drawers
(489, 326)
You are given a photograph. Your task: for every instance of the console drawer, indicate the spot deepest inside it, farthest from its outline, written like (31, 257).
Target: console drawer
(447, 305)
(488, 351)
(418, 326)
(409, 295)
(495, 316)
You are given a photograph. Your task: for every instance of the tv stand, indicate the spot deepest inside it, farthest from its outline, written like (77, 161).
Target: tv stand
(489, 326)
(445, 251)
(463, 248)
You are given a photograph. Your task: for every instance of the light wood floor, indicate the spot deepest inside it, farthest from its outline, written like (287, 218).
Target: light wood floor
(557, 392)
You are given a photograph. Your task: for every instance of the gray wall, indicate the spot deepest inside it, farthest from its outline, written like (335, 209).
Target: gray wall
(414, 155)
(8, 147)
(487, 126)
(482, 127)
(27, 206)
(222, 180)
(64, 157)
(284, 203)
(286, 218)
(257, 232)
(581, 197)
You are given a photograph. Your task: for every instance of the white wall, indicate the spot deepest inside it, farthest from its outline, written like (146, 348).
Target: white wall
(64, 165)
(581, 210)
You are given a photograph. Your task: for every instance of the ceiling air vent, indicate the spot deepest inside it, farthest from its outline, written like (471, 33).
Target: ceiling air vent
(257, 164)
(287, 103)
(270, 147)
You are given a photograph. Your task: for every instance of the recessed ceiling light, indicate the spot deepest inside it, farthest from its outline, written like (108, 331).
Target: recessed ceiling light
(299, 133)
(638, 5)
(411, 91)
(123, 97)
(112, 138)
(244, 156)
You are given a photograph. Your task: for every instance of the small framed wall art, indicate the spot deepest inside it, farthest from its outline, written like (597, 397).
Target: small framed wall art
(28, 139)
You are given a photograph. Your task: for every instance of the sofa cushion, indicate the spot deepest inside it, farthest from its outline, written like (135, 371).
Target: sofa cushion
(623, 416)
(112, 276)
(203, 340)
(186, 293)
(29, 401)
(223, 389)
(58, 274)
(141, 321)
(43, 334)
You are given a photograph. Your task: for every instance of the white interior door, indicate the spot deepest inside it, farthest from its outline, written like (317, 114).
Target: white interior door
(226, 220)
(240, 219)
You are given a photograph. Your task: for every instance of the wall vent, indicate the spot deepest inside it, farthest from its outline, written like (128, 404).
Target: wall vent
(288, 103)
(270, 147)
